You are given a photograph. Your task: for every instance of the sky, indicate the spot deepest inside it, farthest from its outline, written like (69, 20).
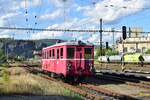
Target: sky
(72, 14)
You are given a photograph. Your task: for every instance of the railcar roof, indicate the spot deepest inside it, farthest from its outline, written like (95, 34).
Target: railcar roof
(70, 43)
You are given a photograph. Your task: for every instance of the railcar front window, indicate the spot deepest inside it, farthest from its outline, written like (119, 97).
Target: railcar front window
(88, 53)
(70, 53)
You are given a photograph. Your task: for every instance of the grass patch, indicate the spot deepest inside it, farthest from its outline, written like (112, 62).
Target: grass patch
(13, 82)
(5, 65)
(96, 62)
(6, 75)
(72, 94)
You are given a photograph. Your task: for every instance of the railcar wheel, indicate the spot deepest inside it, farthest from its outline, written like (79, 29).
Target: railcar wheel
(76, 79)
(52, 75)
(63, 78)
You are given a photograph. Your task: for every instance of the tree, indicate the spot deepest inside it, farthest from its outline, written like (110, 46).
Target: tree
(148, 51)
(2, 57)
(99, 53)
(110, 52)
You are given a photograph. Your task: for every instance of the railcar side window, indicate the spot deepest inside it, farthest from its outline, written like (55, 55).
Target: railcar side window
(53, 53)
(57, 53)
(88, 53)
(49, 53)
(70, 53)
(43, 54)
(61, 52)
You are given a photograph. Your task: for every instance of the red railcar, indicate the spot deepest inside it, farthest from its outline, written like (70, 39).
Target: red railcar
(73, 59)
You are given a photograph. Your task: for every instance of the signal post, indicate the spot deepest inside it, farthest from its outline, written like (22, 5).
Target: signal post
(123, 38)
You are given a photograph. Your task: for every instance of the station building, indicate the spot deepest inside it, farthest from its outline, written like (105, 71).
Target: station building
(136, 41)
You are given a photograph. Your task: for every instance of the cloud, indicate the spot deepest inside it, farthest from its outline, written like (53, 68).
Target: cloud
(51, 16)
(4, 33)
(62, 3)
(47, 34)
(94, 38)
(4, 36)
(8, 15)
(78, 17)
(30, 3)
(37, 3)
(112, 10)
(60, 35)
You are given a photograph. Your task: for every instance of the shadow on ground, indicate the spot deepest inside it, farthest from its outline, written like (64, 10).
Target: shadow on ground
(101, 80)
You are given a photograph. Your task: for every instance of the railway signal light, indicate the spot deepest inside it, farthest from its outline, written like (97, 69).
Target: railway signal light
(124, 32)
(107, 46)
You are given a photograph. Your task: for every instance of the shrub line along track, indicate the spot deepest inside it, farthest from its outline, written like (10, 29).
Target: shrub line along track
(88, 91)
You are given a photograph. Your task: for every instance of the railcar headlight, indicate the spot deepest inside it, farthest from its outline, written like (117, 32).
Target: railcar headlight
(69, 65)
(90, 66)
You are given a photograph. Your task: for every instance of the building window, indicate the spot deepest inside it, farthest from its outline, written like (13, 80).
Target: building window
(61, 53)
(125, 49)
(143, 49)
(70, 53)
(132, 48)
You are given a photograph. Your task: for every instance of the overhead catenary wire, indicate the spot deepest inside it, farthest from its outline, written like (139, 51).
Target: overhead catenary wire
(67, 30)
(64, 12)
(26, 18)
(36, 23)
(126, 7)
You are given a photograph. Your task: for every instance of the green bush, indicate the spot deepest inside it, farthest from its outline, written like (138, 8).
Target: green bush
(148, 51)
(5, 75)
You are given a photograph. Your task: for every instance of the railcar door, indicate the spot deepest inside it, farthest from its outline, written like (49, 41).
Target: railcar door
(79, 59)
(88, 58)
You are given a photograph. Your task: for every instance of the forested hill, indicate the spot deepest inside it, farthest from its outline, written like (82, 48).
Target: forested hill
(24, 48)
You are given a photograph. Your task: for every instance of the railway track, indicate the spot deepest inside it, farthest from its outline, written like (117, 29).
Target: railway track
(108, 92)
(128, 81)
(88, 91)
(75, 89)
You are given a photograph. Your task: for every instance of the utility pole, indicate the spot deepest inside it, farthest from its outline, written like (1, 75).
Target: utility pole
(113, 39)
(100, 38)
